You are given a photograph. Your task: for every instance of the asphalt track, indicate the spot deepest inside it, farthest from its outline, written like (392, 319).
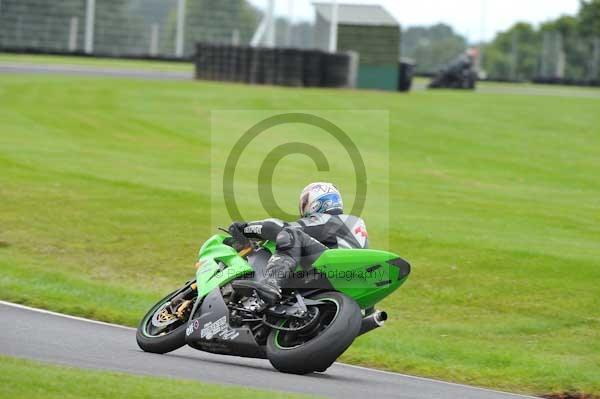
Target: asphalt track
(55, 338)
(17, 67)
(83, 70)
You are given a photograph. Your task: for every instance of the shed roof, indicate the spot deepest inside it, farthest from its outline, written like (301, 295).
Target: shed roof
(358, 14)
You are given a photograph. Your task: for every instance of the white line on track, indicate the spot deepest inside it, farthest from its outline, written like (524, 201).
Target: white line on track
(66, 316)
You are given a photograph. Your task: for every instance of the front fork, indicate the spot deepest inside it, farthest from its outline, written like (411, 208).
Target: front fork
(179, 305)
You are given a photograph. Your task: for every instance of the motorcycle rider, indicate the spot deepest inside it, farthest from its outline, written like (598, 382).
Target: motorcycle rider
(322, 225)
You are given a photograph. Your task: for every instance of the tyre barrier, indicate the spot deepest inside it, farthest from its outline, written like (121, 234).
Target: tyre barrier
(275, 66)
(337, 69)
(289, 67)
(269, 65)
(312, 67)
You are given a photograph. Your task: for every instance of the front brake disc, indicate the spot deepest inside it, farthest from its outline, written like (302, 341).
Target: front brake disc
(163, 317)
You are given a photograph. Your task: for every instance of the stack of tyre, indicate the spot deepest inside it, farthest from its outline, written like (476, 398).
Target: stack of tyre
(274, 66)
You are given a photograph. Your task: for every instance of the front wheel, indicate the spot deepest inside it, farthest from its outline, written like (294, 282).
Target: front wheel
(317, 348)
(161, 331)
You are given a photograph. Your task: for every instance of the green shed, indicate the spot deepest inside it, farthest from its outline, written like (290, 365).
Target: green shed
(369, 30)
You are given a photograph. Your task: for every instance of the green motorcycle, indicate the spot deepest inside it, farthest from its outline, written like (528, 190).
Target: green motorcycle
(321, 313)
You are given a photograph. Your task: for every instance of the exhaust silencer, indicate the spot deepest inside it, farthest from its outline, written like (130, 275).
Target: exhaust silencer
(372, 321)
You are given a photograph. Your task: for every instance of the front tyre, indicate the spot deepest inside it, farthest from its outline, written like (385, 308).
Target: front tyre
(317, 349)
(160, 331)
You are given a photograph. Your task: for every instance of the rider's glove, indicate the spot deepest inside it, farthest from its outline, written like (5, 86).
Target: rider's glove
(236, 229)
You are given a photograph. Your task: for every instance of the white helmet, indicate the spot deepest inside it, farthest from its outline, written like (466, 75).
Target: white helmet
(320, 198)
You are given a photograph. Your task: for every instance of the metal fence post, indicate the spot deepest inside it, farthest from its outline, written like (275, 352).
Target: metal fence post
(561, 61)
(180, 28)
(483, 18)
(333, 27)
(553, 62)
(73, 30)
(235, 37)
(595, 67)
(19, 30)
(89, 25)
(290, 28)
(154, 40)
(270, 39)
(514, 60)
(544, 56)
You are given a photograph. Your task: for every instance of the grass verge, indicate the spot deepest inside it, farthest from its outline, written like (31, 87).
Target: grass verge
(29, 380)
(105, 200)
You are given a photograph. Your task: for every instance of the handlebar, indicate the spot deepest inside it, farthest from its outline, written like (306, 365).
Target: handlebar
(244, 246)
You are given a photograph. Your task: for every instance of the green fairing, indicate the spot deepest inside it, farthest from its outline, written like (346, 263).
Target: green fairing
(219, 264)
(362, 274)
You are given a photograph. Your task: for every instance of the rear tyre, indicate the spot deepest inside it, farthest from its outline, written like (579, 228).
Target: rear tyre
(293, 353)
(151, 338)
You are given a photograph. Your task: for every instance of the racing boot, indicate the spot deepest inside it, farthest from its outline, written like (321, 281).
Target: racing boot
(278, 269)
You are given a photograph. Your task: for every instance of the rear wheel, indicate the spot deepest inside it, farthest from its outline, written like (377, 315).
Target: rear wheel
(161, 331)
(318, 346)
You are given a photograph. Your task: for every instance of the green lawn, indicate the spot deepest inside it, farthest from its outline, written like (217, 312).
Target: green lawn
(105, 199)
(30, 380)
(36, 59)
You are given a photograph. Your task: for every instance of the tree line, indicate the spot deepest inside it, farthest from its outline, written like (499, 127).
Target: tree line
(567, 47)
